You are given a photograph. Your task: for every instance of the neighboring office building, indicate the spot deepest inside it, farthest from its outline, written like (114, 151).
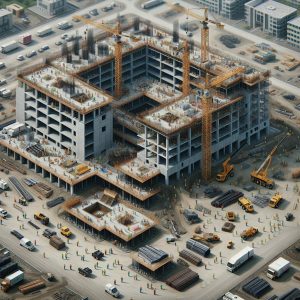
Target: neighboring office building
(5, 20)
(270, 15)
(52, 7)
(16, 9)
(293, 32)
(231, 9)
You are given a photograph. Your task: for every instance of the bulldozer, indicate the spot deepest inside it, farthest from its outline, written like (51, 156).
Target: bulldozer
(249, 232)
(260, 176)
(208, 237)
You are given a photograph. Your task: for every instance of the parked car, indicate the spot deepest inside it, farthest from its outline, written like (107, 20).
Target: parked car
(45, 47)
(93, 12)
(3, 213)
(98, 254)
(86, 272)
(26, 243)
(41, 50)
(58, 43)
(48, 233)
(64, 36)
(31, 54)
(20, 57)
(112, 290)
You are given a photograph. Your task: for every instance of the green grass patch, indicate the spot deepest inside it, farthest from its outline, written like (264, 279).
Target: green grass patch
(24, 3)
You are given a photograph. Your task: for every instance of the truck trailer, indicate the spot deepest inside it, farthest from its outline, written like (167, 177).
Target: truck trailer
(12, 280)
(240, 258)
(25, 39)
(6, 48)
(8, 269)
(44, 31)
(152, 3)
(278, 267)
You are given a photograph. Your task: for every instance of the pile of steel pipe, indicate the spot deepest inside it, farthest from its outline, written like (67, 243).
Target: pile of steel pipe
(191, 257)
(227, 198)
(24, 193)
(32, 286)
(257, 287)
(182, 279)
(151, 255)
(198, 247)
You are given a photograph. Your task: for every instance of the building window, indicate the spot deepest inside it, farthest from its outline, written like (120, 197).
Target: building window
(103, 128)
(103, 117)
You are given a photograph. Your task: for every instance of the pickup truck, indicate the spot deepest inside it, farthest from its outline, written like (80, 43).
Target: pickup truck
(86, 272)
(41, 217)
(48, 233)
(98, 254)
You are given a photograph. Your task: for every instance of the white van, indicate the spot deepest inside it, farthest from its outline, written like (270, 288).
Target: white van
(112, 290)
(2, 81)
(3, 213)
(27, 244)
(2, 65)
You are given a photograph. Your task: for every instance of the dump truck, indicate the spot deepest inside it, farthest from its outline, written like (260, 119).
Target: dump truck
(230, 215)
(275, 200)
(249, 232)
(8, 269)
(246, 204)
(32, 286)
(240, 258)
(12, 280)
(81, 169)
(57, 242)
(41, 217)
(65, 231)
(278, 267)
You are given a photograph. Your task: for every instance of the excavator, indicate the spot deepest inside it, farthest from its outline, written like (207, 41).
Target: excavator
(228, 168)
(260, 176)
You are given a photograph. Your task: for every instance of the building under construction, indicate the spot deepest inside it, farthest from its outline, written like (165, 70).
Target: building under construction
(180, 111)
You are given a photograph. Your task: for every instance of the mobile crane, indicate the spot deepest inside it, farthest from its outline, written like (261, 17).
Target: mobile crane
(260, 176)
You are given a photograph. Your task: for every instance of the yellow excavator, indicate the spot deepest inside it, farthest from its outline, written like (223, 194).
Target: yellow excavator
(228, 168)
(260, 176)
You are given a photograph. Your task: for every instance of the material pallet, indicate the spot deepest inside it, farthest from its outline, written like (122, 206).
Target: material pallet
(191, 257)
(182, 279)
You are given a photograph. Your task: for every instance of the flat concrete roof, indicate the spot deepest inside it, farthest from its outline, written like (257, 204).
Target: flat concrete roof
(4, 12)
(295, 22)
(73, 92)
(119, 219)
(274, 9)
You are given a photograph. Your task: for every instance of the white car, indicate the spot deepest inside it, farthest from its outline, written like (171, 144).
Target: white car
(3, 213)
(20, 57)
(112, 290)
(26, 243)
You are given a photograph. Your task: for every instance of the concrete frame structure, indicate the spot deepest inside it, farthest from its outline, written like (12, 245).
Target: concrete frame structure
(51, 7)
(270, 15)
(84, 129)
(240, 113)
(6, 21)
(293, 32)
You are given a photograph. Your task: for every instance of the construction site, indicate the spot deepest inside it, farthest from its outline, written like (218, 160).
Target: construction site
(161, 148)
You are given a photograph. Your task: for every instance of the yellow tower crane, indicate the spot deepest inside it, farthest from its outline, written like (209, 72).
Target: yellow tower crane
(206, 104)
(117, 32)
(204, 20)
